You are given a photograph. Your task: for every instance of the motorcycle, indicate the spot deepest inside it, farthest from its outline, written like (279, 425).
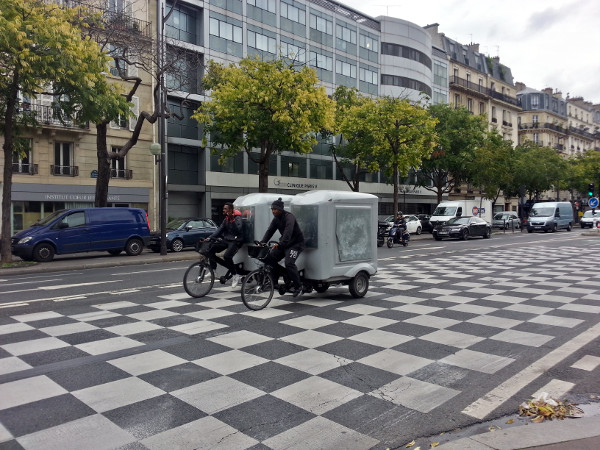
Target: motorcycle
(382, 232)
(398, 235)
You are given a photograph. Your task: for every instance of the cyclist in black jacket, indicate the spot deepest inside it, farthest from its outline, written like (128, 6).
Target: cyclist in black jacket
(290, 244)
(230, 231)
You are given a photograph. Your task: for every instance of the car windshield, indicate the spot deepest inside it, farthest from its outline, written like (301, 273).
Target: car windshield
(176, 223)
(458, 221)
(49, 218)
(502, 216)
(589, 214)
(542, 212)
(445, 211)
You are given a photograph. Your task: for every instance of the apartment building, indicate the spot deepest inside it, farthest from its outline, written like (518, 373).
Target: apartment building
(59, 168)
(378, 56)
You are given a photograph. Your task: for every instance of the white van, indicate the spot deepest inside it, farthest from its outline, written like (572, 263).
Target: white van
(457, 208)
(550, 216)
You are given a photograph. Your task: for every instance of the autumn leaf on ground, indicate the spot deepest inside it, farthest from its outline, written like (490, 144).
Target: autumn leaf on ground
(410, 444)
(434, 444)
(510, 421)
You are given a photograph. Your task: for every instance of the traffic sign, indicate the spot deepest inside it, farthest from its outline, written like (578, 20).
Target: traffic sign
(475, 210)
(593, 202)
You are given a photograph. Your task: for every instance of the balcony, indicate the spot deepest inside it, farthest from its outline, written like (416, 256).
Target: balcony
(29, 169)
(125, 174)
(65, 171)
(540, 125)
(47, 116)
(581, 132)
(117, 21)
(471, 87)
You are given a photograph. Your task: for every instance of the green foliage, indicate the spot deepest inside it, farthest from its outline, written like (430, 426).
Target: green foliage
(266, 105)
(538, 169)
(493, 166)
(459, 135)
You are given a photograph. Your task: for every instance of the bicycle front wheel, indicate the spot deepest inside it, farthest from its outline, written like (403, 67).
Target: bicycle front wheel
(257, 289)
(198, 279)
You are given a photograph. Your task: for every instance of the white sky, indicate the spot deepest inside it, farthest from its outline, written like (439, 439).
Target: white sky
(546, 43)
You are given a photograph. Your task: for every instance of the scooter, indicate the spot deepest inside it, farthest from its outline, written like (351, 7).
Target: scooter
(398, 236)
(382, 233)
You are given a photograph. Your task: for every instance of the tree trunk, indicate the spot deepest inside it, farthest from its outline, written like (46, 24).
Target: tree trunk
(263, 169)
(9, 130)
(101, 198)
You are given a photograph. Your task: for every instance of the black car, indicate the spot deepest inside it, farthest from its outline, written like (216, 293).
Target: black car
(463, 228)
(425, 223)
(183, 233)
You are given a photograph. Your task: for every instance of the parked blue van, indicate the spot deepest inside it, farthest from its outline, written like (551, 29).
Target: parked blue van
(83, 230)
(550, 216)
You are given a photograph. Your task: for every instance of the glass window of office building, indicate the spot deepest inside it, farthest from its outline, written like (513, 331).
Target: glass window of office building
(293, 50)
(234, 6)
(345, 72)
(368, 46)
(183, 164)
(293, 17)
(368, 79)
(226, 35)
(345, 37)
(181, 24)
(261, 41)
(322, 61)
(187, 127)
(321, 28)
(262, 11)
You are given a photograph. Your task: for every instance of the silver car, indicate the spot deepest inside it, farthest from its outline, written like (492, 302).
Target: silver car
(506, 220)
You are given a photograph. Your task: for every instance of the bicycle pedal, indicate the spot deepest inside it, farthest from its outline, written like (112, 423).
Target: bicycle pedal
(222, 280)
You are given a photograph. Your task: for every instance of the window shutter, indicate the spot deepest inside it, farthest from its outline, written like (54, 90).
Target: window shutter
(136, 112)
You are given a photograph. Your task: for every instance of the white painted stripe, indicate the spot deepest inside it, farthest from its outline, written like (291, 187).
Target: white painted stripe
(496, 397)
(14, 305)
(65, 286)
(555, 389)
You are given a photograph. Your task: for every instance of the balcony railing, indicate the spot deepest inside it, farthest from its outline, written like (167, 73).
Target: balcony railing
(473, 87)
(126, 174)
(540, 125)
(117, 21)
(31, 169)
(66, 171)
(581, 132)
(47, 115)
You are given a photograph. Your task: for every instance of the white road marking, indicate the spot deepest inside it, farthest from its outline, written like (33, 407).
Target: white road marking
(65, 286)
(497, 396)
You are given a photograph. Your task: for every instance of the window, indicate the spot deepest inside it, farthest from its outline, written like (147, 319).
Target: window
(225, 30)
(456, 100)
(346, 69)
(293, 51)
(22, 160)
(369, 75)
(185, 128)
(535, 102)
(267, 5)
(481, 108)
(322, 24)
(183, 71)
(321, 169)
(440, 73)
(440, 96)
(534, 118)
(118, 6)
(321, 61)
(63, 159)
(261, 42)
(470, 104)
(345, 38)
(293, 13)
(181, 24)
(77, 219)
(369, 43)
(405, 82)
(117, 166)
(403, 51)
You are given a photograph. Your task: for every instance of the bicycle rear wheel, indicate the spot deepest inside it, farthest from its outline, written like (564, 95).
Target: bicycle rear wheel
(198, 279)
(257, 289)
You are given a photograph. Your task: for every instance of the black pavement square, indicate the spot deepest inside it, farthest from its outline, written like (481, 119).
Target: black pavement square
(359, 377)
(474, 329)
(451, 314)
(448, 376)
(408, 329)
(515, 315)
(196, 348)
(155, 415)
(160, 334)
(332, 314)
(21, 336)
(273, 349)
(112, 321)
(129, 310)
(178, 377)
(4, 353)
(87, 336)
(187, 309)
(273, 329)
(349, 349)
(264, 417)
(84, 376)
(425, 349)
(53, 356)
(270, 376)
(394, 314)
(173, 321)
(51, 322)
(36, 416)
(343, 329)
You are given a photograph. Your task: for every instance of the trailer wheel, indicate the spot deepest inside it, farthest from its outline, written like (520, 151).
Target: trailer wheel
(359, 285)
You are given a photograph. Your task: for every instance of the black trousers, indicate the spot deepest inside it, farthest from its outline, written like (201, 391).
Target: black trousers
(217, 247)
(291, 255)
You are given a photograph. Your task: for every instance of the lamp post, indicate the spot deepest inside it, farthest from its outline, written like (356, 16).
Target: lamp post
(161, 146)
(157, 150)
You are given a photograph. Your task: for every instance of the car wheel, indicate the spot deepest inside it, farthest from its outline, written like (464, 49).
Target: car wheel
(464, 235)
(134, 247)
(487, 233)
(529, 231)
(390, 242)
(418, 231)
(359, 285)
(554, 228)
(177, 245)
(43, 252)
(436, 237)
(569, 227)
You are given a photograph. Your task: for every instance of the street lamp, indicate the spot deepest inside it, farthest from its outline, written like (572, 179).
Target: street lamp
(157, 150)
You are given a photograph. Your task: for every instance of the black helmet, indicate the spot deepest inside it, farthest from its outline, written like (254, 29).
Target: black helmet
(399, 213)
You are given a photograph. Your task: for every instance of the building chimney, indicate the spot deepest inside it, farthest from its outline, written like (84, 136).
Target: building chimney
(474, 47)
(520, 86)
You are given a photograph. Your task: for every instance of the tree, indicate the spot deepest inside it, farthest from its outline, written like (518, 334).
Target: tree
(41, 45)
(459, 134)
(129, 46)
(538, 169)
(352, 148)
(264, 105)
(493, 166)
(399, 134)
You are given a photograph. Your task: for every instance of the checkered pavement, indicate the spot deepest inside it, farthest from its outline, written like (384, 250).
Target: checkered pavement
(329, 371)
